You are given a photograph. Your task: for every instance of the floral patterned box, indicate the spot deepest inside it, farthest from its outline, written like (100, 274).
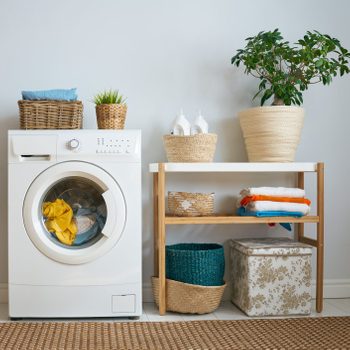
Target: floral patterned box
(271, 276)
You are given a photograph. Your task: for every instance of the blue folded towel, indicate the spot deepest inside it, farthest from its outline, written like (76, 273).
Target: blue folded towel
(56, 94)
(268, 213)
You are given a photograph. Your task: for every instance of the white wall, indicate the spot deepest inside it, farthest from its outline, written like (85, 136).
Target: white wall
(165, 55)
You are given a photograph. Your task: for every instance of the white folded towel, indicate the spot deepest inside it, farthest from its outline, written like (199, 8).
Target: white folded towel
(278, 206)
(273, 191)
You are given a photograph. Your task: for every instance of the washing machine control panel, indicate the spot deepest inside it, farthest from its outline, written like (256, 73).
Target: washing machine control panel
(90, 145)
(115, 145)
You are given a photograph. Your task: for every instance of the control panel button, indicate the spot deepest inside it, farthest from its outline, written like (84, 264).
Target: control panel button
(73, 144)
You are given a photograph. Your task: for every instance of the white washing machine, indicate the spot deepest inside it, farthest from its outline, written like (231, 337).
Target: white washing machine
(97, 173)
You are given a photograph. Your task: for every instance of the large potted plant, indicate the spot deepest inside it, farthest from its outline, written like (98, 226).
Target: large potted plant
(110, 110)
(284, 71)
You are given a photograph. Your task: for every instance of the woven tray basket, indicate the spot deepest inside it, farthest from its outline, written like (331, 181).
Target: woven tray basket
(272, 133)
(196, 263)
(190, 149)
(111, 116)
(190, 204)
(189, 298)
(50, 114)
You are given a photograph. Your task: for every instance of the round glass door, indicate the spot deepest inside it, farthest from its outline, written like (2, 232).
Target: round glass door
(74, 212)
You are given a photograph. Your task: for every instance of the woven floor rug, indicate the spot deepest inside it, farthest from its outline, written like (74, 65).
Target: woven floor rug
(296, 333)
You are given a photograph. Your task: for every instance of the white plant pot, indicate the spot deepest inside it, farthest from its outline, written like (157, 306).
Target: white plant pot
(272, 133)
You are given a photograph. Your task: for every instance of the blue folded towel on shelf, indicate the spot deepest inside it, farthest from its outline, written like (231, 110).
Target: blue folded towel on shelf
(241, 211)
(55, 94)
(268, 213)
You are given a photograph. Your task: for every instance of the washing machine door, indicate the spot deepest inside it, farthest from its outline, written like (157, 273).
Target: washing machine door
(74, 212)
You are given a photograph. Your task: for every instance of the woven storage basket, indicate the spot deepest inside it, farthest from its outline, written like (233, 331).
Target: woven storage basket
(190, 204)
(50, 114)
(187, 149)
(196, 263)
(272, 134)
(189, 298)
(111, 116)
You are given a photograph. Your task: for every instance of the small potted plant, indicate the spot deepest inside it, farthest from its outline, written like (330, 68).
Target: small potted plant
(110, 110)
(284, 71)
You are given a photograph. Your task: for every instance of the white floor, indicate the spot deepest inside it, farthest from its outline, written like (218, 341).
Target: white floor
(227, 311)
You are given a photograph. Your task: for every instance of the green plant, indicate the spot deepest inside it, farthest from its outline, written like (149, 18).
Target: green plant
(286, 71)
(109, 97)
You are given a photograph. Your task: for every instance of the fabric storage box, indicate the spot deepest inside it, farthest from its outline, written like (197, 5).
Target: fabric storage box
(271, 276)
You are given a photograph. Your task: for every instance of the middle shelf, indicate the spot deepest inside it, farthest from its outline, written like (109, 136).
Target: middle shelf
(234, 219)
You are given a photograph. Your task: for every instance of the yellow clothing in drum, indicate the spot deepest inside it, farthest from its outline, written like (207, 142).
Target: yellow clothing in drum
(60, 220)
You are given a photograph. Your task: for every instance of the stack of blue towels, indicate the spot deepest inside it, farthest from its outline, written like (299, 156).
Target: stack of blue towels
(51, 95)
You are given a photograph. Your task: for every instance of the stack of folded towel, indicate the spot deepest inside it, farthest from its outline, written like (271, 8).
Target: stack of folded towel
(51, 95)
(273, 201)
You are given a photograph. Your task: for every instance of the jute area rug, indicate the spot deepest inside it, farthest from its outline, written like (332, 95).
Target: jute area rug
(296, 333)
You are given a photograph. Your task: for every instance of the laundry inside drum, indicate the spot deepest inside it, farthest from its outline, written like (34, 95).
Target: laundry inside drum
(74, 212)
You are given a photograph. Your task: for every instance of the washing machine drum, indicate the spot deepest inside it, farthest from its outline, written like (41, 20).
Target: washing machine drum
(75, 203)
(74, 212)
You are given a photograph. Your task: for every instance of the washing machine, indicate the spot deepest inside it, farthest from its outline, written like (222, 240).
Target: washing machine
(74, 223)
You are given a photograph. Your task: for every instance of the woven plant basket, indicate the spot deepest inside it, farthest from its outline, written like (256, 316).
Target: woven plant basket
(190, 204)
(190, 149)
(272, 133)
(111, 116)
(196, 263)
(189, 298)
(50, 114)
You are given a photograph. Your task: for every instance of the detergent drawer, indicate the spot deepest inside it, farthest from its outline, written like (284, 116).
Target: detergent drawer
(29, 148)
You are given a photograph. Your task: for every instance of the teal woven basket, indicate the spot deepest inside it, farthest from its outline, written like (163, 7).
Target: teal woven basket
(196, 263)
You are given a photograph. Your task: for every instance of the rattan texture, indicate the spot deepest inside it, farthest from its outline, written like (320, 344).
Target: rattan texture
(261, 334)
(196, 263)
(111, 116)
(188, 298)
(190, 204)
(272, 134)
(50, 114)
(190, 149)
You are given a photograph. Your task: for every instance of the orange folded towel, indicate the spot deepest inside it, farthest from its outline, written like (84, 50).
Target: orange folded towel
(247, 199)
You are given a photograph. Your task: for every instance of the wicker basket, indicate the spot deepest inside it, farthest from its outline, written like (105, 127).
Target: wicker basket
(50, 114)
(272, 133)
(190, 204)
(196, 263)
(111, 116)
(189, 298)
(187, 149)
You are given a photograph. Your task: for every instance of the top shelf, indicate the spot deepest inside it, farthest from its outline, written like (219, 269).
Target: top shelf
(234, 167)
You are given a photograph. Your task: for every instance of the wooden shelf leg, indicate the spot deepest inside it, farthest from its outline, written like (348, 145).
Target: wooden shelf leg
(155, 224)
(320, 237)
(300, 184)
(161, 238)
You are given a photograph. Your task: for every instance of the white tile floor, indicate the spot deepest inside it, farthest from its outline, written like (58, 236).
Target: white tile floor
(227, 311)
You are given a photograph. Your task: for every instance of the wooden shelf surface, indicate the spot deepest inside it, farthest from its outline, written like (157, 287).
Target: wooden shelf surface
(234, 167)
(233, 219)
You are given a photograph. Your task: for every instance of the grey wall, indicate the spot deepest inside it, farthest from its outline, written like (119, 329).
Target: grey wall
(167, 55)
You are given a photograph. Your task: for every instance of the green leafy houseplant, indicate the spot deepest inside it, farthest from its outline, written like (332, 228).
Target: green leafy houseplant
(285, 70)
(110, 109)
(109, 97)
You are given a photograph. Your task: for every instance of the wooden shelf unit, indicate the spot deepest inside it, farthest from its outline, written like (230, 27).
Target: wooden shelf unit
(161, 220)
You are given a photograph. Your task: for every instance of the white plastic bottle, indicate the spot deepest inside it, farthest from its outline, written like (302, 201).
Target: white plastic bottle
(181, 126)
(200, 126)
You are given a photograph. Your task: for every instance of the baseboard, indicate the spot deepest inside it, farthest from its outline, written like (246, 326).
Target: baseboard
(333, 288)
